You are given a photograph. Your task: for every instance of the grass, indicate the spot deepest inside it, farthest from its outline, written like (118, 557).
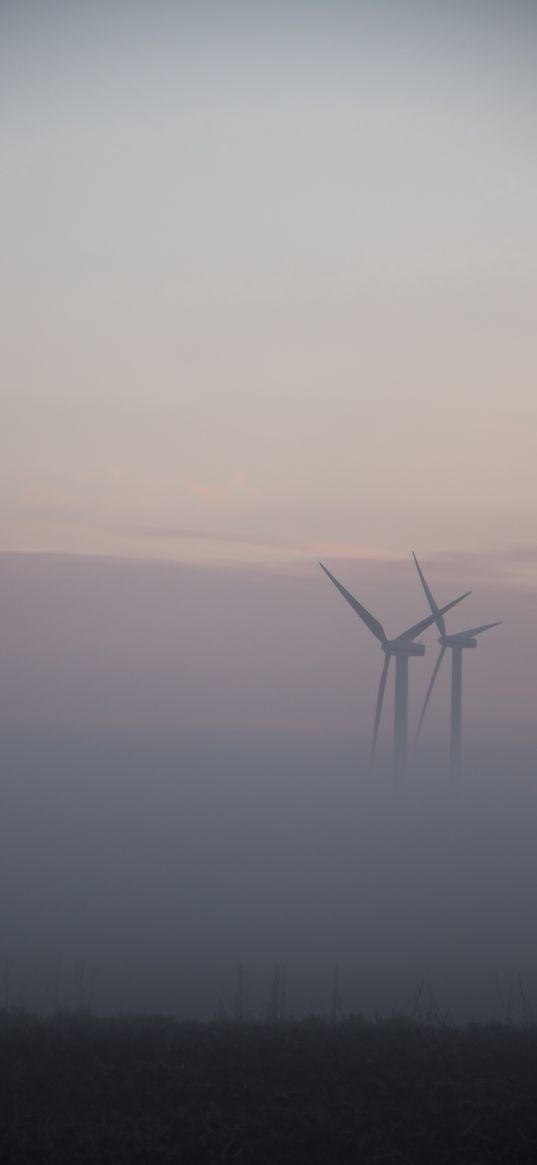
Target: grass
(77, 1089)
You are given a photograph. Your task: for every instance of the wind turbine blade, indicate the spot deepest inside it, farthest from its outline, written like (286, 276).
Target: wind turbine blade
(378, 709)
(431, 599)
(368, 619)
(441, 655)
(417, 629)
(475, 630)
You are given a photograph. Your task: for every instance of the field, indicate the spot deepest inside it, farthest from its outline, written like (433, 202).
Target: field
(76, 1089)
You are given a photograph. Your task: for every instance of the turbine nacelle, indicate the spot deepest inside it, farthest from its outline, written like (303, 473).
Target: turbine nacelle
(395, 647)
(457, 641)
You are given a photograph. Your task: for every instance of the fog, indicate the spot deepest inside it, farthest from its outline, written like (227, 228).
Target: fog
(186, 787)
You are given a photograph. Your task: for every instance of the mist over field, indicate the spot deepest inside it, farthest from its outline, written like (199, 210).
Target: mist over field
(186, 786)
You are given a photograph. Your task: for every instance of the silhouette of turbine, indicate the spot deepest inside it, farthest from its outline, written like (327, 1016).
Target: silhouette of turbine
(456, 644)
(402, 648)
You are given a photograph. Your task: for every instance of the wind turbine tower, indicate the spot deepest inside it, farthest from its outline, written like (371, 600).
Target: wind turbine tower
(401, 648)
(456, 644)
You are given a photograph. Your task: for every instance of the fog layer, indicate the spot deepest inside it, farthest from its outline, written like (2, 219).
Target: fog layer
(185, 786)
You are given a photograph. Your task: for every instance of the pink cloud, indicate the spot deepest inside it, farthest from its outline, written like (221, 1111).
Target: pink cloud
(235, 488)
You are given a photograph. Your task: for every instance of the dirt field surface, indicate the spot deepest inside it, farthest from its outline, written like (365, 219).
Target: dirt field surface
(75, 1090)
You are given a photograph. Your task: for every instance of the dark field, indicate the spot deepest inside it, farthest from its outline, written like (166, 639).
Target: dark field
(78, 1089)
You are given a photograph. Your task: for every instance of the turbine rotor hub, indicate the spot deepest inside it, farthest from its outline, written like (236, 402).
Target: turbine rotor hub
(396, 647)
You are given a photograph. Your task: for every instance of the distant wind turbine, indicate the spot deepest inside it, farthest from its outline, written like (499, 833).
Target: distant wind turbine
(402, 648)
(456, 644)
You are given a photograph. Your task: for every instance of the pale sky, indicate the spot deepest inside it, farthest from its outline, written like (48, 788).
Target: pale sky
(268, 278)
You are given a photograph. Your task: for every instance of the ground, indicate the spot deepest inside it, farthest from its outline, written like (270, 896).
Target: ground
(75, 1089)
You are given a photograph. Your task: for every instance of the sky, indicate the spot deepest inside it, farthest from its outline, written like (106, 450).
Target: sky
(267, 277)
(267, 286)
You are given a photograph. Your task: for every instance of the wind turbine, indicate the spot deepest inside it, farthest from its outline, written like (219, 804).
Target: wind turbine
(456, 644)
(402, 648)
